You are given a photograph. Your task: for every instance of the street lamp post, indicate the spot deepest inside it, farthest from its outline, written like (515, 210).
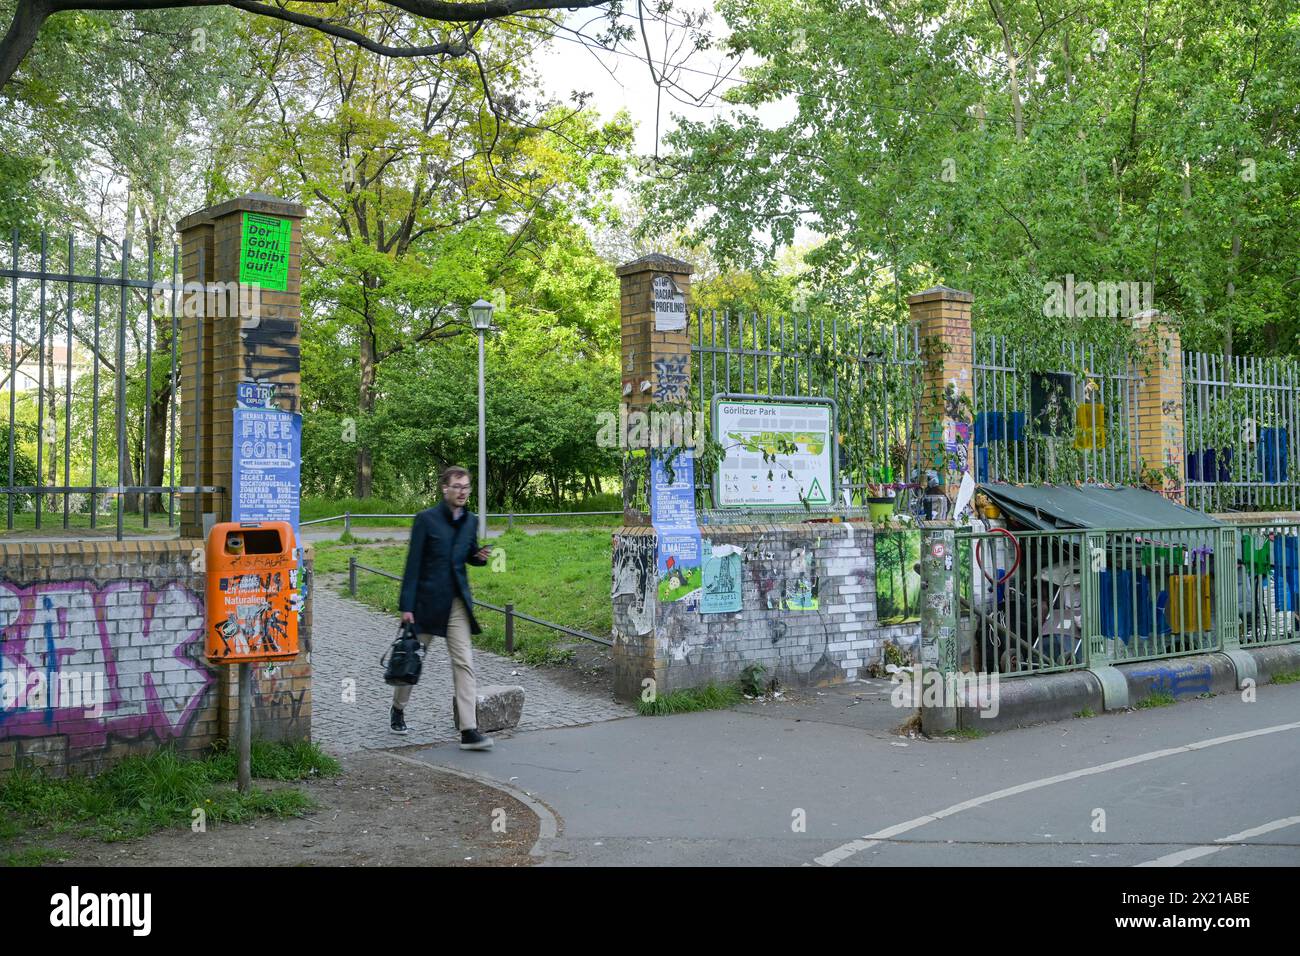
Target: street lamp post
(480, 314)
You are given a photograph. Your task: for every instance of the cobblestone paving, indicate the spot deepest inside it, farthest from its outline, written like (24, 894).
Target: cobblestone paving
(348, 639)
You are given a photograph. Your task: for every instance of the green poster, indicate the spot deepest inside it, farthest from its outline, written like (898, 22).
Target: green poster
(264, 251)
(898, 583)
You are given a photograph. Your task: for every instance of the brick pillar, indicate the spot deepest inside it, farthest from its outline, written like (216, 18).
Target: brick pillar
(1160, 403)
(656, 370)
(943, 315)
(248, 335)
(234, 347)
(656, 365)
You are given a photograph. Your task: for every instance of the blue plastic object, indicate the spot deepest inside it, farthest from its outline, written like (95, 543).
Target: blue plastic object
(1145, 630)
(1286, 565)
(1117, 604)
(1272, 454)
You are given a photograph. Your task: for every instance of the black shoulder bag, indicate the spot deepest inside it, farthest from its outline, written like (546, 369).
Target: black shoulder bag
(402, 661)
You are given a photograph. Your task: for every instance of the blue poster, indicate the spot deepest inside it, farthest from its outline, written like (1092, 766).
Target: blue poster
(267, 466)
(672, 512)
(672, 504)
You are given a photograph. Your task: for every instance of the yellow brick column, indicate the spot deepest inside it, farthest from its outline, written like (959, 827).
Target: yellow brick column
(248, 335)
(944, 318)
(656, 365)
(1160, 404)
(656, 370)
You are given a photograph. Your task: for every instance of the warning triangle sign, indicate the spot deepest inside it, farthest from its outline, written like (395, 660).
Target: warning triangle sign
(815, 494)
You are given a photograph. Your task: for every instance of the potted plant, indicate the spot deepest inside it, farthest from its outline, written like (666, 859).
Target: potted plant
(881, 493)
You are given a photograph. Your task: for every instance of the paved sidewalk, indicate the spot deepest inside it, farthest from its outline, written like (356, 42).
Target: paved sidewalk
(348, 640)
(816, 781)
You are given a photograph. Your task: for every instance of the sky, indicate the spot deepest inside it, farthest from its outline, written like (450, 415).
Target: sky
(624, 81)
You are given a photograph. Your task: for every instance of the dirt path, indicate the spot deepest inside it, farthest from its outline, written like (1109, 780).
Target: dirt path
(379, 812)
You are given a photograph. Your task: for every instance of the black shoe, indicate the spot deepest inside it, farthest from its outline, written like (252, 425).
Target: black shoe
(473, 740)
(397, 721)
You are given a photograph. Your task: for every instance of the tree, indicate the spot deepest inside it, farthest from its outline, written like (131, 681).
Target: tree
(999, 145)
(424, 183)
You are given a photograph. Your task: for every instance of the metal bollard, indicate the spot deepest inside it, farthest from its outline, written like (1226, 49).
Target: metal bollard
(347, 522)
(510, 521)
(352, 575)
(510, 628)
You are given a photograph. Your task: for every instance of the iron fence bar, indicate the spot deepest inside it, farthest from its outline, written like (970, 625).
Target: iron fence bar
(40, 385)
(123, 451)
(94, 402)
(145, 504)
(175, 395)
(354, 565)
(67, 394)
(13, 370)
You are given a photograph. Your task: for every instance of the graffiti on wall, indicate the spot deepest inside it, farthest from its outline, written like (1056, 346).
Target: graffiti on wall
(634, 585)
(145, 638)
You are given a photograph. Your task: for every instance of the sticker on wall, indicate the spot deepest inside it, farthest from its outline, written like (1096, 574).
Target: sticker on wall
(720, 579)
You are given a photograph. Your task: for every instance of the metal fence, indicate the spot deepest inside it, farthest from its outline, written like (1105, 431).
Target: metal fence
(508, 611)
(1076, 421)
(90, 366)
(873, 375)
(1241, 432)
(1043, 601)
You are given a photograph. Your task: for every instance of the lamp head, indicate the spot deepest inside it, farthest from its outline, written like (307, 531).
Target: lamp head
(480, 313)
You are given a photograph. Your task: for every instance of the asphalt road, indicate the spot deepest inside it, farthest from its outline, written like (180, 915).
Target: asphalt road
(1162, 787)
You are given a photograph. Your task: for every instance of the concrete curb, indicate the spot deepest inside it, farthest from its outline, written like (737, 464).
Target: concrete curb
(548, 822)
(1023, 701)
(1035, 700)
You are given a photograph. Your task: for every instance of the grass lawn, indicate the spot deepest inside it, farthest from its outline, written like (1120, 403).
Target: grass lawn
(148, 793)
(564, 578)
(313, 508)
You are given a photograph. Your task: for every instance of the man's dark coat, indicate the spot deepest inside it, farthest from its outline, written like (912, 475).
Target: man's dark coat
(435, 568)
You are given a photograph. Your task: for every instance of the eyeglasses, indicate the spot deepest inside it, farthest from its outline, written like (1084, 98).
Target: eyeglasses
(459, 487)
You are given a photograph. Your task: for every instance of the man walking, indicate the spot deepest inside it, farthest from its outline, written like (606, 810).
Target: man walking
(436, 597)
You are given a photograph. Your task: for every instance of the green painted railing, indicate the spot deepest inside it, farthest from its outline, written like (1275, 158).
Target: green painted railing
(1047, 601)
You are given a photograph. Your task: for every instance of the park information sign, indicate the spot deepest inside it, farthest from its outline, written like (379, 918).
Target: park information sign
(264, 251)
(267, 466)
(749, 426)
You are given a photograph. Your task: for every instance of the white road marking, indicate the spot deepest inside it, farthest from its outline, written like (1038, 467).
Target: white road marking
(1195, 853)
(842, 853)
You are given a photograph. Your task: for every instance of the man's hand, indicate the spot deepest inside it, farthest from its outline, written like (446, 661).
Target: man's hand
(408, 617)
(484, 552)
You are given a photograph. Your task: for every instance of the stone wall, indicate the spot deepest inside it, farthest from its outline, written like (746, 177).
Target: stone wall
(101, 656)
(678, 647)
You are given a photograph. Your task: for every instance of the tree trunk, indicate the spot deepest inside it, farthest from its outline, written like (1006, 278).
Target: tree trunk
(157, 439)
(1232, 291)
(20, 37)
(365, 404)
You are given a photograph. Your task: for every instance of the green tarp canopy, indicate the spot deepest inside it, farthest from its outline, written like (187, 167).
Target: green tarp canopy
(1049, 507)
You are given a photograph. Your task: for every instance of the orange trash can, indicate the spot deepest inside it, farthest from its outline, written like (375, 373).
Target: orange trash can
(252, 594)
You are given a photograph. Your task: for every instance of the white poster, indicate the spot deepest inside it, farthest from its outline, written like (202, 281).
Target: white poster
(801, 438)
(670, 305)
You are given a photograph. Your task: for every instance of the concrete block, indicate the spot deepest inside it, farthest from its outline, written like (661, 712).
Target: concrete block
(500, 707)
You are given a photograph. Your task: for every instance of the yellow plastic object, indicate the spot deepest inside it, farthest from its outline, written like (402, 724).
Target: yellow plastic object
(1090, 427)
(1184, 592)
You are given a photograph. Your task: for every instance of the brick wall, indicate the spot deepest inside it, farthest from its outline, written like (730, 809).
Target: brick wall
(101, 656)
(679, 647)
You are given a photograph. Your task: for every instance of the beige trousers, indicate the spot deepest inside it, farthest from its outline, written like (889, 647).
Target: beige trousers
(462, 667)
